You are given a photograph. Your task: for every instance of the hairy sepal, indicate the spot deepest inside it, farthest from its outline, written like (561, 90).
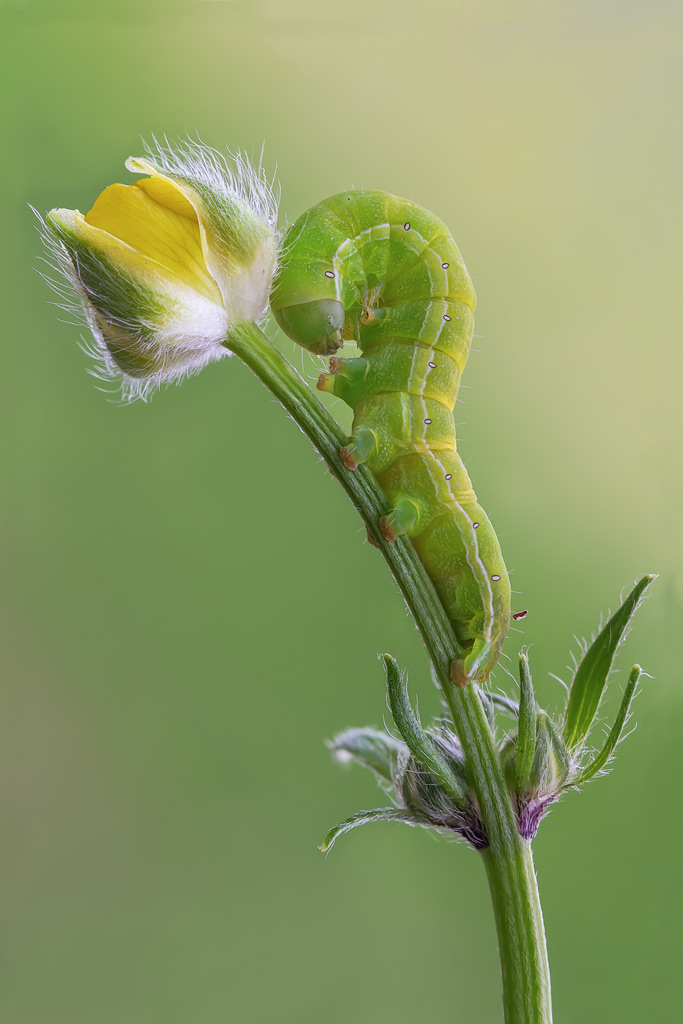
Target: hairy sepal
(371, 748)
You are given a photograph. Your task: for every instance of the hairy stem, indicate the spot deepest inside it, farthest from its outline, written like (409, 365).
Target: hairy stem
(521, 938)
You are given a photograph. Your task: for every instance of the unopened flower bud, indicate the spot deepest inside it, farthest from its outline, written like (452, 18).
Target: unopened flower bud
(424, 797)
(164, 266)
(548, 777)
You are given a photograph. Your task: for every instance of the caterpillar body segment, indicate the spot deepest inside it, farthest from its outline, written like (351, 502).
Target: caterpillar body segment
(386, 273)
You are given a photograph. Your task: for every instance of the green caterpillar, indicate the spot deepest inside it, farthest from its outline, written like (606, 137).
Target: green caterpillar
(378, 269)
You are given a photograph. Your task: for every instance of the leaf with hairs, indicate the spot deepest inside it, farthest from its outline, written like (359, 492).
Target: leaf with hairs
(601, 759)
(526, 729)
(364, 818)
(590, 678)
(410, 728)
(370, 748)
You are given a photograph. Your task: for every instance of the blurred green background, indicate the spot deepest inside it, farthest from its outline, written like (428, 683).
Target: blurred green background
(189, 606)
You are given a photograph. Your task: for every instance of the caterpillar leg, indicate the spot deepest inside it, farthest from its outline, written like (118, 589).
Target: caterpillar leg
(474, 666)
(403, 518)
(359, 449)
(343, 377)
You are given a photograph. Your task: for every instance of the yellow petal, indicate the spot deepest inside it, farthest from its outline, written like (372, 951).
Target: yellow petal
(165, 193)
(134, 263)
(154, 218)
(238, 243)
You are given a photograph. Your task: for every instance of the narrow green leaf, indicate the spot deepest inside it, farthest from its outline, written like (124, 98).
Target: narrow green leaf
(601, 759)
(591, 676)
(363, 818)
(526, 729)
(502, 701)
(408, 724)
(369, 748)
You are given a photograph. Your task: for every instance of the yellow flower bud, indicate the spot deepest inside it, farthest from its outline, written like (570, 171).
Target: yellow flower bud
(164, 266)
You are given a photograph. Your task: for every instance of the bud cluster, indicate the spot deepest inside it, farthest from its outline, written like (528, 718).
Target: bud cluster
(438, 797)
(425, 772)
(421, 793)
(548, 776)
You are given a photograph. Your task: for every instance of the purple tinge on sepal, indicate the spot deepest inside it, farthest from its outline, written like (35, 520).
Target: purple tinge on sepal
(529, 816)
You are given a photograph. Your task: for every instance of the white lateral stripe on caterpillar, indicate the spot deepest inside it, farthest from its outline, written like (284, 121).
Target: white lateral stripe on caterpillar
(470, 544)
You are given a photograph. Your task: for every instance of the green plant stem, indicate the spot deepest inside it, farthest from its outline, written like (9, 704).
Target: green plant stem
(521, 938)
(521, 934)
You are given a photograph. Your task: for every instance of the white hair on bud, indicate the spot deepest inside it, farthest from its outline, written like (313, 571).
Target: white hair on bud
(232, 175)
(66, 284)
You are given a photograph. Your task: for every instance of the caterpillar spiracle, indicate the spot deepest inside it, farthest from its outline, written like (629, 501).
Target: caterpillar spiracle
(386, 273)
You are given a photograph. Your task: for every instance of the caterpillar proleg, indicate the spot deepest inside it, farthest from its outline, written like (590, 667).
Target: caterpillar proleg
(385, 272)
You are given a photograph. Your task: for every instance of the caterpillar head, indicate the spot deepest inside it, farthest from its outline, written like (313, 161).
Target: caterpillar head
(316, 325)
